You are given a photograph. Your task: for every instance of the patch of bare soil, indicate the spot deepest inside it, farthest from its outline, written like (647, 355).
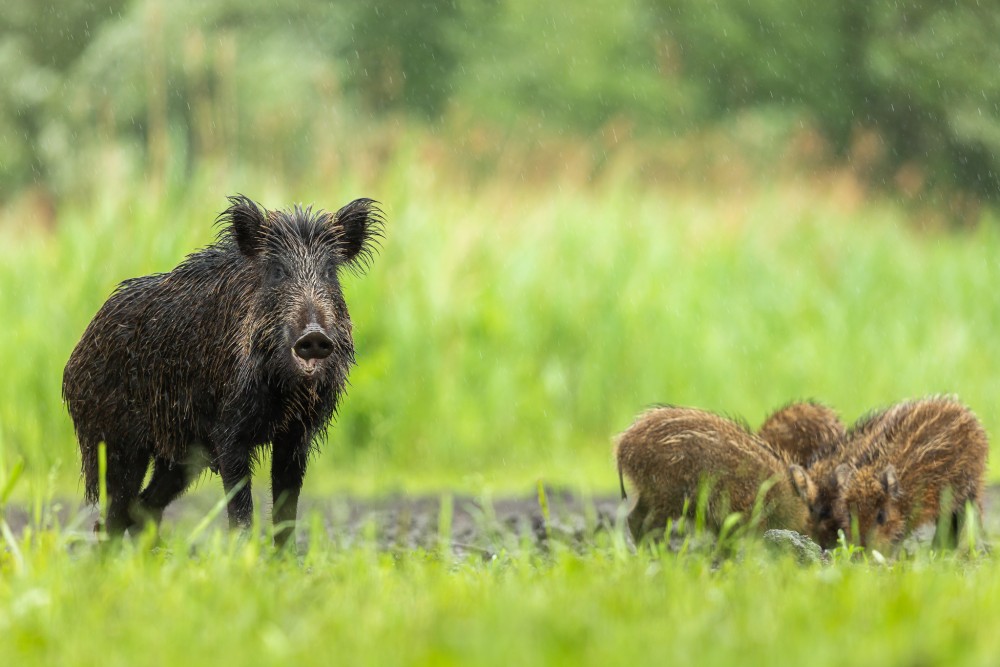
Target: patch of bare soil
(395, 522)
(474, 526)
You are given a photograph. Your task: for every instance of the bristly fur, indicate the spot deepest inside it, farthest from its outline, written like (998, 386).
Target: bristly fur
(739, 420)
(805, 431)
(357, 229)
(894, 468)
(201, 359)
(668, 453)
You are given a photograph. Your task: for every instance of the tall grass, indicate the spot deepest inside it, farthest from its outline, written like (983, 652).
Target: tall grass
(506, 332)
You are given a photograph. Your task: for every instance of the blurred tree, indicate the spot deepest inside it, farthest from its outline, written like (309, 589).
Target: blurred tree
(935, 67)
(400, 55)
(210, 80)
(39, 41)
(567, 66)
(921, 73)
(262, 80)
(768, 52)
(54, 33)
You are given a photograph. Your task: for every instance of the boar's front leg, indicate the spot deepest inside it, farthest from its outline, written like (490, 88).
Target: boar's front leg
(288, 467)
(235, 470)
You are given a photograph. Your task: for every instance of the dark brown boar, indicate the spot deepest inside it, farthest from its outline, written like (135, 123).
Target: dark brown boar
(246, 344)
(669, 453)
(915, 463)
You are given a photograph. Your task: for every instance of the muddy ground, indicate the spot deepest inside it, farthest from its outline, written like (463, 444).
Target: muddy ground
(476, 526)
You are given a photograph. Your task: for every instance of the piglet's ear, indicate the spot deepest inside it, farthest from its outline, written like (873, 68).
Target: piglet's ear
(803, 483)
(890, 482)
(244, 220)
(359, 227)
(843, 475)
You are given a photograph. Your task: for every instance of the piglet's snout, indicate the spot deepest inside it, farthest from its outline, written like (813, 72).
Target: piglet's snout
(313, 344)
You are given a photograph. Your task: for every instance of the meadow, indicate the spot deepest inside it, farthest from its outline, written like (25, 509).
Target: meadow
(605, 607)
(506, 332)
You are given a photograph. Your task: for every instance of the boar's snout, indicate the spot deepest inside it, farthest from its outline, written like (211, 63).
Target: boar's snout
(313, 344)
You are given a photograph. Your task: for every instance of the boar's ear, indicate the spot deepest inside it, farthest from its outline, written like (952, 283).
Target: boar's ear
(890, 482)
(803, 483)
(245, 220)
(842, 475)
(359, 227)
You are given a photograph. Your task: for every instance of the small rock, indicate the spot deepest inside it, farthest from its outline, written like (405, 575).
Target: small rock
(788, 541)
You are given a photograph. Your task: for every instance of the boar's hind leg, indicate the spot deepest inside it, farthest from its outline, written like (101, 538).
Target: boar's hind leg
(126, 471)
(169, 480)
(288, 468)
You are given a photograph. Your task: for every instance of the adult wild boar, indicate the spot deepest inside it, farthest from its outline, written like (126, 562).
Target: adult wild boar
(247, 343)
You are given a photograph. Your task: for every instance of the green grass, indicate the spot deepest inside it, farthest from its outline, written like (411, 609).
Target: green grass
(232, 603)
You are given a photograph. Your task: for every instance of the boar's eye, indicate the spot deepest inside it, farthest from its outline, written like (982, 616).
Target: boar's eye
(330, 272)
(880, 517)
(277, 273)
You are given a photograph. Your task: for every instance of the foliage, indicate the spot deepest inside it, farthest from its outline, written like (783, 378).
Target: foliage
(916, 72)
(906, 91)
(939, 107)
(400, 54)
(574, 66)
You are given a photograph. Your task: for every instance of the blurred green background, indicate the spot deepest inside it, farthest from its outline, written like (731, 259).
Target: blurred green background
(593, 207)
(906, 91)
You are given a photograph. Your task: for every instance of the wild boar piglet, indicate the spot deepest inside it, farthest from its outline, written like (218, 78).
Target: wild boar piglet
(916, 463)
(669, 453)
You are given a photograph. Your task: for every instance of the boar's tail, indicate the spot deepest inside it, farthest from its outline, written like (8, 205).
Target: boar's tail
(621, 481)
(91, 472)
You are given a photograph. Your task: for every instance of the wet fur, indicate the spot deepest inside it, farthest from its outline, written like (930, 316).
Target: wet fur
(194, 366)
(893, 471)
(668, 453)
(806, 431)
